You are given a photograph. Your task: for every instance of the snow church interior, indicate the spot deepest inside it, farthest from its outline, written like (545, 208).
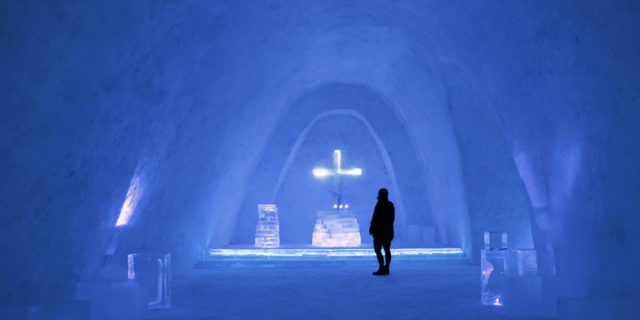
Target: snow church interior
(223, 159)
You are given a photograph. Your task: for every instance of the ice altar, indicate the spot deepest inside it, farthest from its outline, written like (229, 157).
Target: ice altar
(268, 228)
(338, 227)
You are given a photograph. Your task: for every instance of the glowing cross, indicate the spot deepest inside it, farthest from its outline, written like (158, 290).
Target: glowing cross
(336, 172)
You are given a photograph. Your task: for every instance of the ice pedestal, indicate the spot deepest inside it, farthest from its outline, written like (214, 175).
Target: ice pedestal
(336, 228)
(153, 273)
(268, 227)
(496, 265)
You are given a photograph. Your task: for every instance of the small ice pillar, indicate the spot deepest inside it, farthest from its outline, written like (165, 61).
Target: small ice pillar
(153, 273)
(268, 227)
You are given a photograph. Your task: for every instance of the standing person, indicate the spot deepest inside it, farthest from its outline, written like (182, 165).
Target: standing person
(382, 230)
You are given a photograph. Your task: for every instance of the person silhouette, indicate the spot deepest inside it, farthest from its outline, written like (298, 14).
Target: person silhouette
(382, 230)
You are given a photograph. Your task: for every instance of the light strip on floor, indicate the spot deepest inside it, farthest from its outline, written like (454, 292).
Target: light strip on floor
(329, 252)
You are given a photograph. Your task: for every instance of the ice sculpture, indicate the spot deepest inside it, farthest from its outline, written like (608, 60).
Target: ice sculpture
(492, 278)
(492, 264)
(153, 273)
(497, 262)
(268, 227)
(336, 228)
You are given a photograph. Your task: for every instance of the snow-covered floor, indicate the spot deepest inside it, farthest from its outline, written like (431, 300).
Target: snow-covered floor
(436, 290)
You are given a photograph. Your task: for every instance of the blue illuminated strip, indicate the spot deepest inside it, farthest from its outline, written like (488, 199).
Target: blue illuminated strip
(329, 252)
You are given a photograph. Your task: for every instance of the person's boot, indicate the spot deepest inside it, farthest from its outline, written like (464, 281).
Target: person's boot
(386, 269)
(380, 272)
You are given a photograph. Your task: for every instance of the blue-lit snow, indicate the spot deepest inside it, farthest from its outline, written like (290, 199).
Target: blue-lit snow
(335, 291)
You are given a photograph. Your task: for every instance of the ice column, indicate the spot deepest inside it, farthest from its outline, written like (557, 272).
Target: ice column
(268, 228)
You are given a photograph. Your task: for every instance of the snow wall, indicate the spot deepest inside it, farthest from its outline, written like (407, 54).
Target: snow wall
(517, 116)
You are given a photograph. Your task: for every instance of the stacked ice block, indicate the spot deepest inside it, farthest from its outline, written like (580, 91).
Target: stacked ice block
(336, 228)
(268, 227)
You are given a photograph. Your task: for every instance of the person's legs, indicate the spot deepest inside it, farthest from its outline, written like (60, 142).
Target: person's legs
(387, 254)
(387, 251)
(377, 246)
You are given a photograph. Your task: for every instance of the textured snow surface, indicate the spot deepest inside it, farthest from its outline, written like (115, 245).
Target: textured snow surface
(339, 291)
(517, 116)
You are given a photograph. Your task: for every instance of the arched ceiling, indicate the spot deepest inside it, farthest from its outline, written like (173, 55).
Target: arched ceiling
(194, 90)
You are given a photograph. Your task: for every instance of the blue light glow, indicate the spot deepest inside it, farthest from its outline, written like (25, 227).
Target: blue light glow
(322, 172)
(337, 168)
(331, 252)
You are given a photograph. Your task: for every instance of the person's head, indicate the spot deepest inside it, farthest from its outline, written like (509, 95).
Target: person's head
(383, 194)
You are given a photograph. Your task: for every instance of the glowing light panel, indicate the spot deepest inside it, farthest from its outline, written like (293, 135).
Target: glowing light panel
(322, 172)
(130, 202)
(352, 172)
(284, 253)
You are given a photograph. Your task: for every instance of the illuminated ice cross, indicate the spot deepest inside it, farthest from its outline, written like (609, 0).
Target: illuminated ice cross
(336, 172)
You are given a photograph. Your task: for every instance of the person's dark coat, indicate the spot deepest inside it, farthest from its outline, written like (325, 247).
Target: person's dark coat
(382, 220)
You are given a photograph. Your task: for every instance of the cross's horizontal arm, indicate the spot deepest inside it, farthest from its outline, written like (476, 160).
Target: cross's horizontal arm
(322, 172)
(351, 172)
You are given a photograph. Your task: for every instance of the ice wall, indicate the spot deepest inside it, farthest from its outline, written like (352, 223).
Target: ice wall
(190, 95)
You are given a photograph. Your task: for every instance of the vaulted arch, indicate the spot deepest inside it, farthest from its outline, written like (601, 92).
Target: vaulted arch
(400, 213)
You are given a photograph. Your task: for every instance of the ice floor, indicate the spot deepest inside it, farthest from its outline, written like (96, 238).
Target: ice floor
(432, 290)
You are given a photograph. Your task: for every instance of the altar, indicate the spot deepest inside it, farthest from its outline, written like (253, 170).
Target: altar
(336, 228)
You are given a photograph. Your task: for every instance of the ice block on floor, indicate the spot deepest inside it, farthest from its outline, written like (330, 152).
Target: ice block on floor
(153, 273)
